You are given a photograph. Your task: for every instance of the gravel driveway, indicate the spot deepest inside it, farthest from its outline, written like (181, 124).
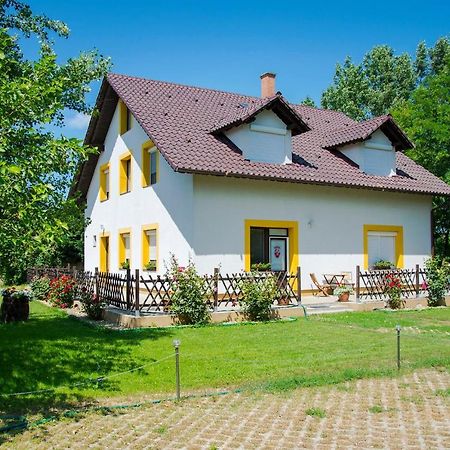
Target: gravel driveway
(408, 412)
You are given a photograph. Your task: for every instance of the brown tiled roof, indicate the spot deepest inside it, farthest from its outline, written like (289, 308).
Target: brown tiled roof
(180, 119)
(363, 130)
(247, 111)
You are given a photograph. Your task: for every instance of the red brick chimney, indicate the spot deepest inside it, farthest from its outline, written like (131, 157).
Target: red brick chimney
(267, 84)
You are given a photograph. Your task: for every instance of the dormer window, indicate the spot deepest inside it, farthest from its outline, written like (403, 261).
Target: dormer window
(372, 145)
(263, 131)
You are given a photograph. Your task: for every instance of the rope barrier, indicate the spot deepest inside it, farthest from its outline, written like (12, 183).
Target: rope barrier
(95, 380)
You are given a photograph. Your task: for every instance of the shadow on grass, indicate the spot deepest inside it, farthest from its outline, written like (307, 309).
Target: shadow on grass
(52, 350)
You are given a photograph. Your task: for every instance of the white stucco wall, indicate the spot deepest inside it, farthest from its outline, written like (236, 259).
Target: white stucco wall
(330, 222)
(266, 139)
(203, 216)
(376, 156)
(169, 203)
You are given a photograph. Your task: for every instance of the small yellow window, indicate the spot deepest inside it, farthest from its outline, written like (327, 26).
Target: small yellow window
(125, 118)
(150, 247)
(104, 182)
(125, 173)
(124, 248)
(150, 164)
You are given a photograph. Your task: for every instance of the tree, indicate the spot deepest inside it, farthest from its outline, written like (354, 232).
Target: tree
(308, 101)
(382, 80)
(349, 92)
(36, 166)
(426, 120)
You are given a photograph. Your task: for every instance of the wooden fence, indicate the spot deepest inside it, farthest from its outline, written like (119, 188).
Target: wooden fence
(372, 284)
(133, 291)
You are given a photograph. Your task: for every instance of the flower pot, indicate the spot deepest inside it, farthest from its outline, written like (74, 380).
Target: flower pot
(14, 309)
(344, 297)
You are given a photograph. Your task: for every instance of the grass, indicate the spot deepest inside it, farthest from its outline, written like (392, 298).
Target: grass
(316, 412)
(53, 350)
(375, 409)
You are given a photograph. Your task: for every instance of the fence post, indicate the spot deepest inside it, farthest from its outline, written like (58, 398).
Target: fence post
(216, 288)
(176, 344)
(358, 274)
(96, 283)
(136, 294)
(299, 285)
(417, 280)
(128, 289)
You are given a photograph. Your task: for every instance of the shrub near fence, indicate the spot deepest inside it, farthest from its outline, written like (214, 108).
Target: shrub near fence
(133, 291)
(374, 284)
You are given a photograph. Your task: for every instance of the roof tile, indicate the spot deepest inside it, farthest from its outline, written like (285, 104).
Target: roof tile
(179, 120)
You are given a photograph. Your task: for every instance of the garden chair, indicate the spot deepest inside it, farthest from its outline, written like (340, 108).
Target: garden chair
(348, 279)
(324, 288)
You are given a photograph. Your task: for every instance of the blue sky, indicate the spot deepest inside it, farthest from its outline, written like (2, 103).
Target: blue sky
(227, 44)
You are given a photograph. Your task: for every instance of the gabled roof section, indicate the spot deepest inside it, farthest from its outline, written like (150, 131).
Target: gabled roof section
(179, 119)
(363, 130)
(246, 112)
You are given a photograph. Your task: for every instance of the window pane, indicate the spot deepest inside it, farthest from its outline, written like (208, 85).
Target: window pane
(153, 168)
(128, 119)
(127, 245)
(106, 175)
(278, 232)
(381, 246)
(258, 250)
(151, 238)
(128, 174)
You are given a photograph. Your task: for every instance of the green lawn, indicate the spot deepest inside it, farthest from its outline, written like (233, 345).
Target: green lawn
(53, 350)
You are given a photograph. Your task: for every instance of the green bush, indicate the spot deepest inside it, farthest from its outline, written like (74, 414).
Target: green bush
(437, 281)
(188, 300)
(258, 295)
(382, 264)
(62, 291)
(40, 288)
(90, 303)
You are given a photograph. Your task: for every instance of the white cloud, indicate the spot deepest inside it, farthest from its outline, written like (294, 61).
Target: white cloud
(78, 121)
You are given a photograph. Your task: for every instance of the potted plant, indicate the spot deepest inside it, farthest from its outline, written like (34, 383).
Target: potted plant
(260, 267)
(382, 264)
(394, 291)
(151, 265)
(343, 292)
(125, 265)
(15, 306)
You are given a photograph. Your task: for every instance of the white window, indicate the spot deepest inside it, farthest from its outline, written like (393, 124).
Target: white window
(127, 246)
(106, 175)
(381, 246)
(151, 239)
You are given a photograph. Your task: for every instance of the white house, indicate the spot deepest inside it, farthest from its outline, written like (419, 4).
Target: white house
(231, 180)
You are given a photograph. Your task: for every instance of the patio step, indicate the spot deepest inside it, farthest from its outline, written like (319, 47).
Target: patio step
(327, 308)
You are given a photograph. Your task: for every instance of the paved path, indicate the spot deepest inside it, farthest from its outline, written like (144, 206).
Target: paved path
(409, 412)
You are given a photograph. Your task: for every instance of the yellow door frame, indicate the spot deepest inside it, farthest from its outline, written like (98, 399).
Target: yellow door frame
(292, 227)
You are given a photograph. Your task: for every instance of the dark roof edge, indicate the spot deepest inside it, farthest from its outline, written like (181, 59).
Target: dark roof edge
(277, 100)
(295, 181)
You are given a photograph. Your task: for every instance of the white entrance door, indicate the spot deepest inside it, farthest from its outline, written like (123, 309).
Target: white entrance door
(278, 254)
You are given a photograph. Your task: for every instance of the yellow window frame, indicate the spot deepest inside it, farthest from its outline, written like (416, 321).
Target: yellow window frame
(122, 249)
(146, 169)
(102, 190)
(124, 180)
(104, 256)
(398, 229)
(292, 227)
(146, 244)
(124, 125)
